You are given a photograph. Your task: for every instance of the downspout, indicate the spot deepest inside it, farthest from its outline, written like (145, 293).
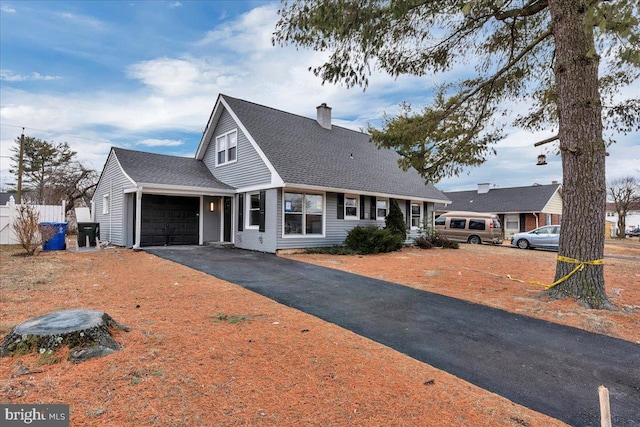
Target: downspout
(536, 215)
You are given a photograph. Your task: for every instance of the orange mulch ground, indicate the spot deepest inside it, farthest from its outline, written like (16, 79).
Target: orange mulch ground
(204, 352)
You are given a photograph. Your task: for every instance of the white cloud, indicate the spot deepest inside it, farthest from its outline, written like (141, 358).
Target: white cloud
(175, 77)
(251, 32)
(7, 9)
(9, 76)
(81, 20)
(174, 4)
(176, 93)
(160, 142)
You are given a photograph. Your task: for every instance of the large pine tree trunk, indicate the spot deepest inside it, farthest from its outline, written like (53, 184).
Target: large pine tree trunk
(583, 155)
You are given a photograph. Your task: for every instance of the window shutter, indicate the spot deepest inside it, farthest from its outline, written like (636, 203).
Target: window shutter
(261, 224)
(408, 210)
(425, 219)
(373, 208)
(240, 211)
(340, 206)
(362, 207)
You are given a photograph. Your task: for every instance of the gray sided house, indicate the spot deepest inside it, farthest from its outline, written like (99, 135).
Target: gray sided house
(519, 208)
(261, 179)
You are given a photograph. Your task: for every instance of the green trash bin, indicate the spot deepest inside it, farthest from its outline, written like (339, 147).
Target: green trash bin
(90, 230)
(82, 237)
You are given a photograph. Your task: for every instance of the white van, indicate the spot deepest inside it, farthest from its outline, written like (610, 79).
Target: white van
(470, 227)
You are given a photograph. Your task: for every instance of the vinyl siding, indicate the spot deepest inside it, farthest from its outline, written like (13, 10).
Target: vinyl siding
(336, 230)
(211, 221)
(113, 224)
(253, 239)
(554, 205)
(248, 170)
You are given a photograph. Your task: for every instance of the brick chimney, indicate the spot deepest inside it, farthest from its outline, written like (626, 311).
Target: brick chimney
(324, 116)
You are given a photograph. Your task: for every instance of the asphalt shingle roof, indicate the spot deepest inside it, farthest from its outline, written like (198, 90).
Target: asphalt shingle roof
(4, 197)
(503, 200)
(305, 153)
(151, 168)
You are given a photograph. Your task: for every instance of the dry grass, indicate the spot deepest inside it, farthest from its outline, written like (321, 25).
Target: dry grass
(186, 363)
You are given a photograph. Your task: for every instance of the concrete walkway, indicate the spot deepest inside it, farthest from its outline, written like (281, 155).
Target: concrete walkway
(547, 367)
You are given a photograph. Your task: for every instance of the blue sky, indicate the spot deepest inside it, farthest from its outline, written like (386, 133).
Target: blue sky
(145, 75)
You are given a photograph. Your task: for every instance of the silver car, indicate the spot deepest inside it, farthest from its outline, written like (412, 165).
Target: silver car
(542, 237)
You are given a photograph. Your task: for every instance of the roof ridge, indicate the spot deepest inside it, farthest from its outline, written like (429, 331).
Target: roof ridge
(504, 188)
(150, 152)
(289, 113)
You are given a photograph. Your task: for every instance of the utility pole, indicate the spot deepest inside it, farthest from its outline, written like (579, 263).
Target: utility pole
(20, 167)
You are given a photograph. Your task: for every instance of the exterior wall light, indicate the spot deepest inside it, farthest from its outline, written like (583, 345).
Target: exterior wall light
(212, 206)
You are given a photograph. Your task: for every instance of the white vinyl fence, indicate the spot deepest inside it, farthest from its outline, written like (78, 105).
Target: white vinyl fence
(48, 213)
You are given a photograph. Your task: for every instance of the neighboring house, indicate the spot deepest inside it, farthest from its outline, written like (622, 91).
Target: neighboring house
(262, 179)
(6, 197)
(519, 208)
(631, 221)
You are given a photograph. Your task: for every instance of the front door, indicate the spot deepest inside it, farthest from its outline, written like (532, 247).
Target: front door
(227, 219)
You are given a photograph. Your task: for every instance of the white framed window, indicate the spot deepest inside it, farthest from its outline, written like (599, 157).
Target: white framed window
(253, 208)
(227, 148)
(351, 207)
(382, 209)
(511, 224)
(303, 214)
(105, 204)
(416, 215)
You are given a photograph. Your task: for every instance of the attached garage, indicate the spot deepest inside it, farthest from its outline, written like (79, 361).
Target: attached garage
(169, 220)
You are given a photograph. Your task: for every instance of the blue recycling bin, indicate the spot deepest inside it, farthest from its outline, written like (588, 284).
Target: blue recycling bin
(58, 242)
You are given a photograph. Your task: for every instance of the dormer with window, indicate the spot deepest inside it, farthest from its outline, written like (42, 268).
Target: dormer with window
(227, 148)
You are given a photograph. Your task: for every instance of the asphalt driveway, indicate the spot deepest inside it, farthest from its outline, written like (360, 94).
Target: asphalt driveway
(547, 367)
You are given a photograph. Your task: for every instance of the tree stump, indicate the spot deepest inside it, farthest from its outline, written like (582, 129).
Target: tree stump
(86, 332)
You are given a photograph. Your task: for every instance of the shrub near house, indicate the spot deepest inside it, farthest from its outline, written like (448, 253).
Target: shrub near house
(373, 240)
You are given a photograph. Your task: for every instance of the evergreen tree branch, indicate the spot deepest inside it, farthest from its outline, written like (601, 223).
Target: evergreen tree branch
(530, 9)
(546, 141)
(491, 80)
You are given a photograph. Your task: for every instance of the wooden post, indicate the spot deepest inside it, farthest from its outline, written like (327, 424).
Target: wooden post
(605, 411)
(20, 167)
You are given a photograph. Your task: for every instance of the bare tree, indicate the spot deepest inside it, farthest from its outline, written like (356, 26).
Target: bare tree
(624, 192)
(51, 173)
(28, 231)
